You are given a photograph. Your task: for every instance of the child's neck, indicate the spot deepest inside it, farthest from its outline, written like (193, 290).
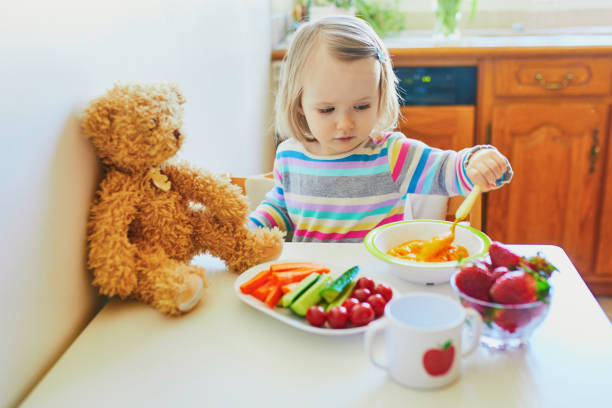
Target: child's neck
(314, 147)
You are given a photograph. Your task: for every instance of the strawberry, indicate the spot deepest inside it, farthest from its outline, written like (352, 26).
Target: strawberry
(517, 287)
(512, 319)
(502, 256)
(474, 280)
(499, 271)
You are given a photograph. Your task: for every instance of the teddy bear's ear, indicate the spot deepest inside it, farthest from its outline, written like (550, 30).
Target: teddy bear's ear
(97, 118)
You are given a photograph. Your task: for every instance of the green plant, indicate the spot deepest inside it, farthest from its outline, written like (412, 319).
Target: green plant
(446, 14)
(383, 15)
(344, 4)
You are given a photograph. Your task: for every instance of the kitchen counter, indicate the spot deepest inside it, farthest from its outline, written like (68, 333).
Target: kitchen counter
(477, 43)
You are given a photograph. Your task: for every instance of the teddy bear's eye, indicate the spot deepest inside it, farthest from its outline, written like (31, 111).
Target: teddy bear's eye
(152, 124)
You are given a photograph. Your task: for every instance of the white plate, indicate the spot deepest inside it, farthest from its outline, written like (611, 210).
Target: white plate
(287, 316)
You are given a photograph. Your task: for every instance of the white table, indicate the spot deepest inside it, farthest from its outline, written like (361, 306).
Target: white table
(228, 354)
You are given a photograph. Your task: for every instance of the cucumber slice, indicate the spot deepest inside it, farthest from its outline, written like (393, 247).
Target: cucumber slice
(310, 297)
(332, 291)
(345, 294)
(304, 284)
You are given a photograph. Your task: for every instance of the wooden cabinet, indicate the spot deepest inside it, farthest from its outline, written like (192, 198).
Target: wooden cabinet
(444, 127)
(600, 281)
(556, 191)
(550, 117)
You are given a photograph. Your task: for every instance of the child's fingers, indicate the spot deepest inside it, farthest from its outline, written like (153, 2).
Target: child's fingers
(478, 178)
(502, 164)
(494, 160)
(491, 170)
(490, 153)
(482, 178)
(498, 164)
(486, 167)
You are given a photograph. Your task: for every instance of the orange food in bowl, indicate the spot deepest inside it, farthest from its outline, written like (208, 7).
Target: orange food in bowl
(412, 250)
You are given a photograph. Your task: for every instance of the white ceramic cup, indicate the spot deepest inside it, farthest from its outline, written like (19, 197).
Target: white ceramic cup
(423, 333)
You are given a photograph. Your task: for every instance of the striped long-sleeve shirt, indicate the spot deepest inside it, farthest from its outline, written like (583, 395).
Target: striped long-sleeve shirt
(341, 198)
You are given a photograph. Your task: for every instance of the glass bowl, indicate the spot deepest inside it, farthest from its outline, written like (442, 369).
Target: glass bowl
(505, 326)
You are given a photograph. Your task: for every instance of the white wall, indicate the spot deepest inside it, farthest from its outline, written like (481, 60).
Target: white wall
(54, 57)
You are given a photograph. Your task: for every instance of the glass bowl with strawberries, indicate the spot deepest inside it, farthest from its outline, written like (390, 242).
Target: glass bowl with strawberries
(511, 292)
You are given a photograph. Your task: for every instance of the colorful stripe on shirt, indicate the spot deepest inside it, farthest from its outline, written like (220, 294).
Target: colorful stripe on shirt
(341, 198)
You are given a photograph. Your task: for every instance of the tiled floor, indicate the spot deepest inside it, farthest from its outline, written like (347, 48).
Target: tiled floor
(606, 305)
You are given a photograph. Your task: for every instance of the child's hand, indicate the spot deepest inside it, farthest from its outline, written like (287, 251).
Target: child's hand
(485, 167)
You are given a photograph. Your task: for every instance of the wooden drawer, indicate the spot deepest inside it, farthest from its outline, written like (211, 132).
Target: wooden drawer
(550, 77)
(443, 127)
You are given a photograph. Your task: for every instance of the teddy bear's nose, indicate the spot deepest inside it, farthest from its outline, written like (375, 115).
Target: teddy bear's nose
(176, 133)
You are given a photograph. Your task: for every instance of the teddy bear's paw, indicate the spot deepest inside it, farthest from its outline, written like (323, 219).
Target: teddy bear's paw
(198, 271)
(191, 292)
(271, 251)
(263, 245)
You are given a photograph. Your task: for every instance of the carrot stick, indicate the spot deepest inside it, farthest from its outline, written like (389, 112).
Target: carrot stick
(288, 266)
(255, 282)
(311, 269)
(263, 291)
(284, 278)
(274, 296)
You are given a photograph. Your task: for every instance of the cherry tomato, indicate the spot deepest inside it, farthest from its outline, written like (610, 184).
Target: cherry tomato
(365, 283)
(384, 290)
(349, 303)
(362, 294)
(337, 317)
(378, 302)
(316, 316)
(361, 314)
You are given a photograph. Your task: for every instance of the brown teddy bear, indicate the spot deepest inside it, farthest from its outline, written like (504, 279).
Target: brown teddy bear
(150, 216)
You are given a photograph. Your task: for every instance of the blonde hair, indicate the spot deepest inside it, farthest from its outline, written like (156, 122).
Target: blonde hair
(347, 38)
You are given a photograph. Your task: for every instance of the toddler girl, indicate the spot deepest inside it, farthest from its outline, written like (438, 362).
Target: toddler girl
(339, 174)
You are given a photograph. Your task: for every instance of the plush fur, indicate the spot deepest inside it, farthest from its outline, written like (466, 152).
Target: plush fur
(150, 216)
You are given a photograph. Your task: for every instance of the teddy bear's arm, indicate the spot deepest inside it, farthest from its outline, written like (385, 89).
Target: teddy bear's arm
(216, 193)
(111, 254)
(221, 229)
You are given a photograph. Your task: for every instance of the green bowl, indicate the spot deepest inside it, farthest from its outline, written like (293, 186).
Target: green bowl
(388, 236)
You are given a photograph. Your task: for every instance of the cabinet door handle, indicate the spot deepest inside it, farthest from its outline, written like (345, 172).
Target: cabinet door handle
(594, 151)
(554, 86)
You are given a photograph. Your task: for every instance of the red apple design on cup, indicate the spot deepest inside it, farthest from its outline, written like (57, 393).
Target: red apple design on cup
(437, 361)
